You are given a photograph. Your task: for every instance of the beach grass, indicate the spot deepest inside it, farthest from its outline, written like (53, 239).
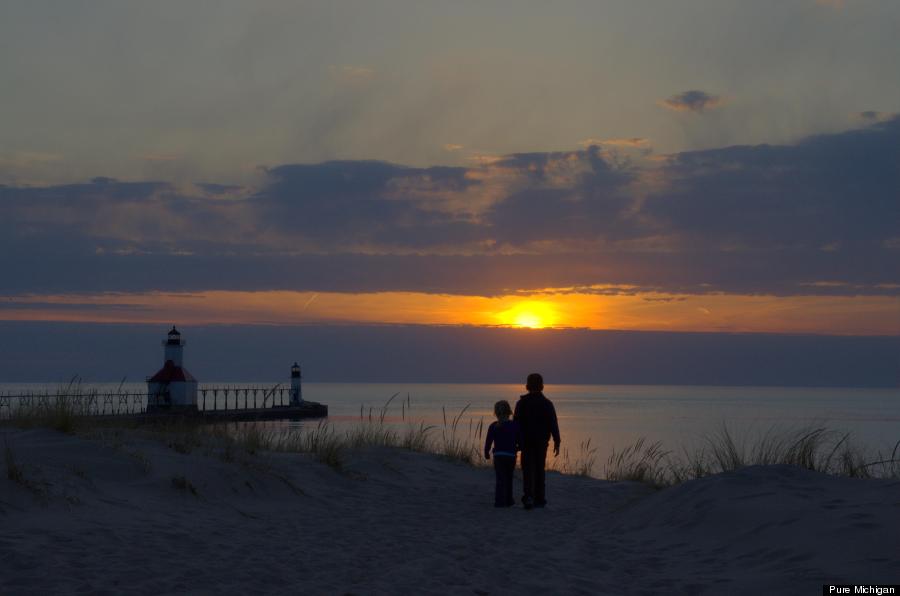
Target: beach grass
(818, 449)
(639, 462)
(458, 446)
(61, 415)
(461, 439)
(579, 463)
(70, 408)
(417, 437)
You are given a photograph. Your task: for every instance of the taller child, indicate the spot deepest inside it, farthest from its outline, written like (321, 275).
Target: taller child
(537, 416)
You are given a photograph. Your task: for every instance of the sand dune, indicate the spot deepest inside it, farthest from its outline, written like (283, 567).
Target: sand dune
(129, 514)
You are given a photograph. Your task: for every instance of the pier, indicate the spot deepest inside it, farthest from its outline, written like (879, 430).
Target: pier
(214, 404)
(172, 394)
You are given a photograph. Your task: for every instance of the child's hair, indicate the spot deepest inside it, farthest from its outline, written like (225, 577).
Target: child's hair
(502, 409)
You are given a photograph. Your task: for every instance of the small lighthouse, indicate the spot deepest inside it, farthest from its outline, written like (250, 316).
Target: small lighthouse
(172, 387)
(296, 390)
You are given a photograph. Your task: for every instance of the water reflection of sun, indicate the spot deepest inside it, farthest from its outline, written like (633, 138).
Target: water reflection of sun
(531, 315)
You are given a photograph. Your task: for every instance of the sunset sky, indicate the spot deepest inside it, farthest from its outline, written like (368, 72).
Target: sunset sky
(689, 166)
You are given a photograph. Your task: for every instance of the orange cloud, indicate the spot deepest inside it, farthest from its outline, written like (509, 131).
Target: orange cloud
(626, 142)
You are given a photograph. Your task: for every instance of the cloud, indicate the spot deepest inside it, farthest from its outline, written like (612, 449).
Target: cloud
(626, 142)
(562, 196)
(834, 193)
(816, 217)
(695, 101)
(872, 116)
(362, 205)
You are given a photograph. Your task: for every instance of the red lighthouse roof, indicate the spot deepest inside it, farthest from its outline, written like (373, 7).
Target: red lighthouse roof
(170, 373)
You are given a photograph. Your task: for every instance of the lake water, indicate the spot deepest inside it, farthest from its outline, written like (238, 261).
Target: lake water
(613, 416)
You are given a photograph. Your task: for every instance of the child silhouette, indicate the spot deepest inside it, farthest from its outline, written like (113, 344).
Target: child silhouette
(506, 437)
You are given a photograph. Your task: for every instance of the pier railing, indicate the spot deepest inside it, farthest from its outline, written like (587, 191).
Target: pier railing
(216, 398)
(111, 403)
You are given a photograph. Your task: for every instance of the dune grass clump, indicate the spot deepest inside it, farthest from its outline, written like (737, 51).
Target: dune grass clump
(327, 446)
(579, 464)
(816, 449)
(639, 462)
(252, 438)
(812, 448)
(887, 467)
(417, 437)
(457, 447)
(371, 434)
(70, 408)
(59, 414)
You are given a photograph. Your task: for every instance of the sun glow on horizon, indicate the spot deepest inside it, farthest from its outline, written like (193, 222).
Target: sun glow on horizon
(527, 319)
(530, 315)
(841, 315)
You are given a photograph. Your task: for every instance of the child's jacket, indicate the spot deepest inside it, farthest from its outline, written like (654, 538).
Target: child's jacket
(506, 438)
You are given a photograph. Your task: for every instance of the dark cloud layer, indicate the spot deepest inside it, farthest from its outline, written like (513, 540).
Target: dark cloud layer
(343, 204)
(832, 192)
(771, 272)
(592, 203)
(745, 219)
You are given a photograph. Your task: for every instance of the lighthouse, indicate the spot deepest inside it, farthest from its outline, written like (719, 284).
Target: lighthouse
(296, 390)
(172, 387)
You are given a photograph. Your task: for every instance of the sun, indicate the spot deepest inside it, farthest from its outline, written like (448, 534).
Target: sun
(527, 319)
(529, 315)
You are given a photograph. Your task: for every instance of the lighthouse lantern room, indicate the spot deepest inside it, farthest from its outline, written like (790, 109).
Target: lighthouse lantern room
(172, 387)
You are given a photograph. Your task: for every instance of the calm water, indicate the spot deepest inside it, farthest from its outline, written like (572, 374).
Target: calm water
(616, 416)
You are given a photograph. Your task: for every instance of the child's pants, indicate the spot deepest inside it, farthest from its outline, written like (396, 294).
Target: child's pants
(504, 465)
(534, 458)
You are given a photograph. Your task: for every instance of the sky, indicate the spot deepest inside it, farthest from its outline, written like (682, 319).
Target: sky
(700, 166)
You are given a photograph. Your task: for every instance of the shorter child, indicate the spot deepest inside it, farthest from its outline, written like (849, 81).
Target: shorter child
(506, 437)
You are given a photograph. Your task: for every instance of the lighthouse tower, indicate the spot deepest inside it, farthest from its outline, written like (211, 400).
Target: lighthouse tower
(296, 390)
(172, 387)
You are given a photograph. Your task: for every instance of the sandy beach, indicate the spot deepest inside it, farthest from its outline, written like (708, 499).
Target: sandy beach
(128, 514)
